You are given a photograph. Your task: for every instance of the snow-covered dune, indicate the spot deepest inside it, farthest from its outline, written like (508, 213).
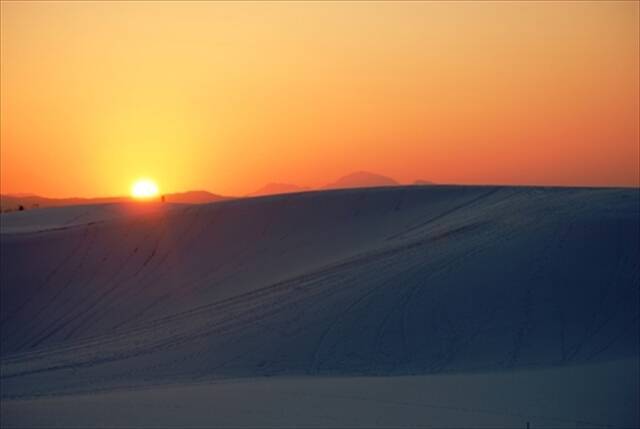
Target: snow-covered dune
(369, 282)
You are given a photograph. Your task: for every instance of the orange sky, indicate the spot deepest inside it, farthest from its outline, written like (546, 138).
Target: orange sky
(229, 96)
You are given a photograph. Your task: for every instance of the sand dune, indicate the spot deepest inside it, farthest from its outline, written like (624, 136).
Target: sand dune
(380, 283)
(52, 218)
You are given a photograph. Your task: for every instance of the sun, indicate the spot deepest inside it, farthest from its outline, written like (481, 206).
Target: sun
(143, 189)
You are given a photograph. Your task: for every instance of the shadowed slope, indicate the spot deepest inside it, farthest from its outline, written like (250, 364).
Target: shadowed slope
(377, 281)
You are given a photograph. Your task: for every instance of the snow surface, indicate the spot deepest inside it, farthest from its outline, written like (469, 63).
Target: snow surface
(404, 299)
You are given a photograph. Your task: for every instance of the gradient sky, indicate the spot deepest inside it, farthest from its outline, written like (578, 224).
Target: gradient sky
(229, 96)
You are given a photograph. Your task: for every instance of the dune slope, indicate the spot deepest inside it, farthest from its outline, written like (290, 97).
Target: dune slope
(367, 282)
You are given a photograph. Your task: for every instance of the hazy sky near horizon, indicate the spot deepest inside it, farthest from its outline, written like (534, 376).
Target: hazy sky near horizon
(229, 96)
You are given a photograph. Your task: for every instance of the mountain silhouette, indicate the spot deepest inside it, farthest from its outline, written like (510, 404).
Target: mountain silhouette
(362, 179)
(277, 188)
(12, 202)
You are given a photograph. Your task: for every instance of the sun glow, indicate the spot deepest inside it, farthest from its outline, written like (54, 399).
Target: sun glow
(144, 189)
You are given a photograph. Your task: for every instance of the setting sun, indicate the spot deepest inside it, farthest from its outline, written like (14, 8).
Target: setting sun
(144, 189)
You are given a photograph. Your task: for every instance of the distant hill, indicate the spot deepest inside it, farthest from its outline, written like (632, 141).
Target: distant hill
(277, 188)
(13, 202)
(362, 179)
(423, 182)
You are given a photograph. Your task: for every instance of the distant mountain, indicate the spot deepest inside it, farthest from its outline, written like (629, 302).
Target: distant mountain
(362, 179)
(277, 188)
(423, 182)
(194, 197)
(13, 202)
